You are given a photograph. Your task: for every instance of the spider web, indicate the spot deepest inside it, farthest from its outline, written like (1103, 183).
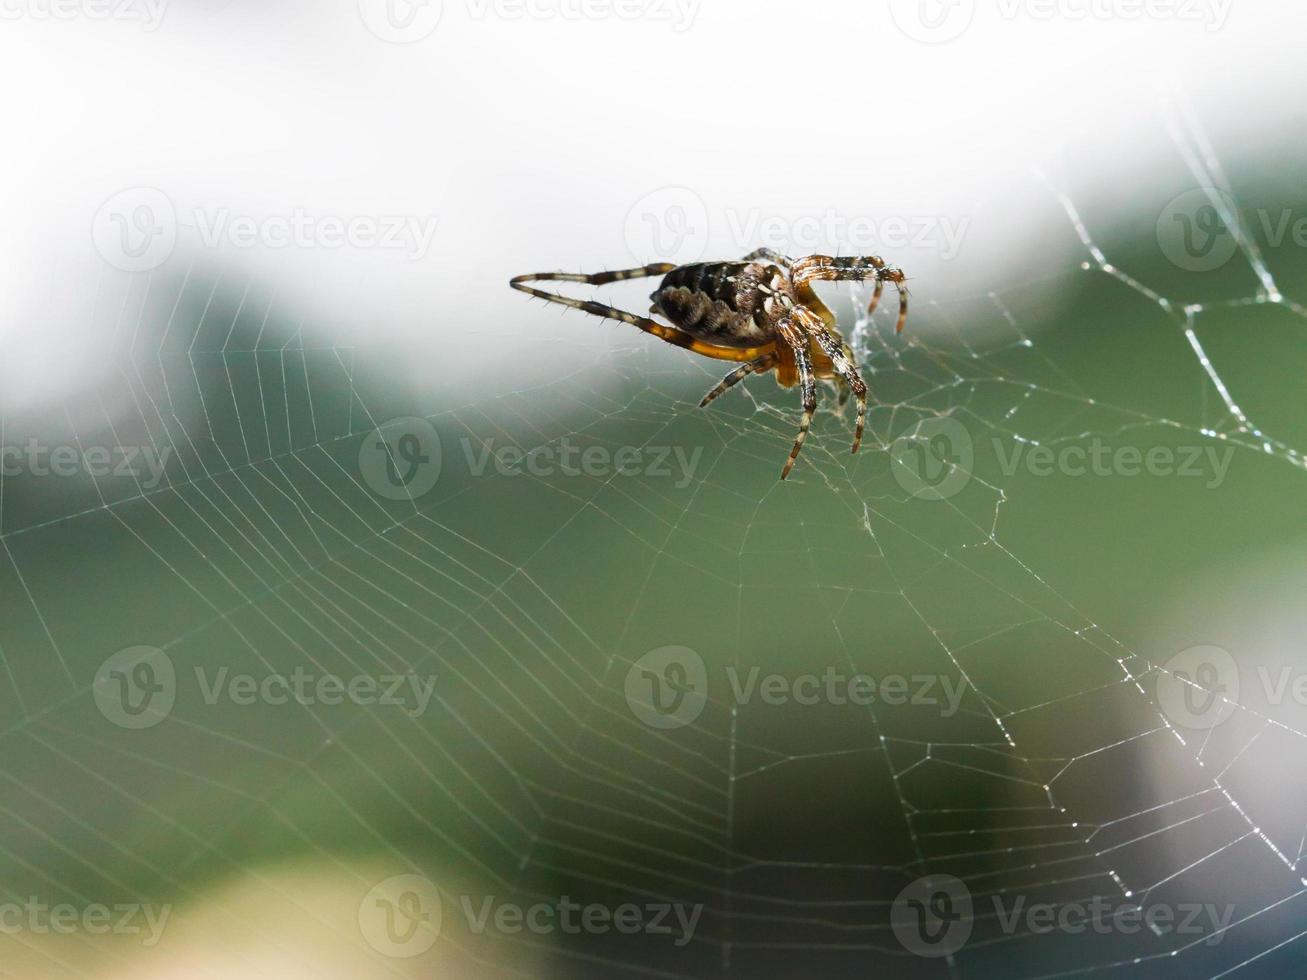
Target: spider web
(1059, 779)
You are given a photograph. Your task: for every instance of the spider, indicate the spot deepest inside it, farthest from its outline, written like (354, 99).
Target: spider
(760, 311)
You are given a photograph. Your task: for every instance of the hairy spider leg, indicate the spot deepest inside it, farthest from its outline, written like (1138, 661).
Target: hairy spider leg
(764, 363)
(877, 293)
(841, 359)
(676, 338)
(813, 268)
(798, 346)
(770, 255)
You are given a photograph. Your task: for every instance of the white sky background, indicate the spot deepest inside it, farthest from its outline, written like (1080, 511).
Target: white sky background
(528, 131)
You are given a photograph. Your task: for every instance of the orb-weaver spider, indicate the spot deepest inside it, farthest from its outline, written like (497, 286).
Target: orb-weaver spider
(761, 311)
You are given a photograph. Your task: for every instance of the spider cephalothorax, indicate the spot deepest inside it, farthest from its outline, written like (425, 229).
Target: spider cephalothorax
(760, 311)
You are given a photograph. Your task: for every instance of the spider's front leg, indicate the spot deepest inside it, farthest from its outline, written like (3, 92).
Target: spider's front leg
(815, 268)
(841, 359)
(798, 344)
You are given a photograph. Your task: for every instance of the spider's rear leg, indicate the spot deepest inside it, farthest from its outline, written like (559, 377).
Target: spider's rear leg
(676, 338)
(764, 363)
(595, 278)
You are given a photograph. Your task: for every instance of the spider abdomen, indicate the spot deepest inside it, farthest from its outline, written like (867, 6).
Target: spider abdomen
(719, 302)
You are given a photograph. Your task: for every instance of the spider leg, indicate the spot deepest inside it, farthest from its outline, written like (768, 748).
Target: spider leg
(812, 268)
(771, 255)
(600, 278)
(903, 310)
(799, 345)
(875, 297)
(676, 338)
(764, 363)
(842, 360)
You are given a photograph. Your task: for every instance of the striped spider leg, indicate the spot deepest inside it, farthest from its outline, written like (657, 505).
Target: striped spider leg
(856, 268)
